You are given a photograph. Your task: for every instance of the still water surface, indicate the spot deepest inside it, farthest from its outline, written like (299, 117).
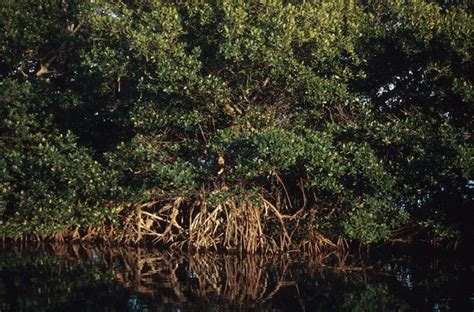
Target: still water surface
(79, 278)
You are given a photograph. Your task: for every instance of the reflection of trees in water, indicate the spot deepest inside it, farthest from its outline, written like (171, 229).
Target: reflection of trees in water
(188, 276)
(31, 281)
(171, 278)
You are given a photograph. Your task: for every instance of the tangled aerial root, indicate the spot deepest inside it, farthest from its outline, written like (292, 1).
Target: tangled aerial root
(236, 226)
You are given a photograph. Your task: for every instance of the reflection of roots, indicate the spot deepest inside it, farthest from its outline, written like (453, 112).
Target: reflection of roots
(202, 276)
(240, 280)
(232, 278)
(237, 226)
(182, 278)
(177, 277)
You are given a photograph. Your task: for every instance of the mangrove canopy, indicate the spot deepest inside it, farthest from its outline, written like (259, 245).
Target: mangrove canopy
(254, 126)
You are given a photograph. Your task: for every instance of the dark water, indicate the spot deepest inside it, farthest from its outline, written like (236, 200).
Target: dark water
(78, 278)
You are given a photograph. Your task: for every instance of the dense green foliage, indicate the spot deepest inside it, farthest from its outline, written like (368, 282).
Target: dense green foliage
(360, 111)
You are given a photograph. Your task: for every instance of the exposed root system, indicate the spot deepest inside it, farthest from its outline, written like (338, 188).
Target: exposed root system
(241, 227)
